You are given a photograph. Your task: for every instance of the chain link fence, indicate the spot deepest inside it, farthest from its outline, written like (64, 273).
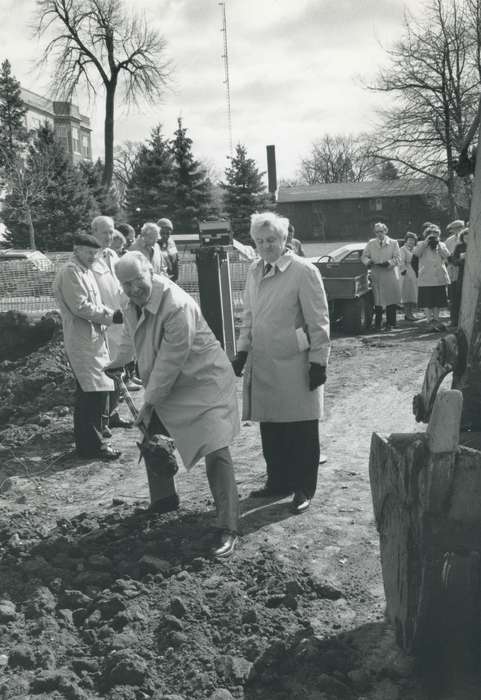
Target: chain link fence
(26, 286)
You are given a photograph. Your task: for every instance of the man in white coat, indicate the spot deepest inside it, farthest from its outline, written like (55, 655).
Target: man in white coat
(189, 383)
(110, 293)
(284, 338)
(381, 254)
(85, 320)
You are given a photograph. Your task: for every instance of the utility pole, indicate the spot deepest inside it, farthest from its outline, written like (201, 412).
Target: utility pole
(225, 57)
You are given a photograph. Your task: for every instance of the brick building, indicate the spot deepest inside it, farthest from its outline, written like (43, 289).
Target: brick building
(347, 211)
(71, 128)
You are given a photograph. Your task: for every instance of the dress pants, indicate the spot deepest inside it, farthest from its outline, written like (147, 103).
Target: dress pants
(292, 452)
(220, 475)
(390, 315)
(89, 409)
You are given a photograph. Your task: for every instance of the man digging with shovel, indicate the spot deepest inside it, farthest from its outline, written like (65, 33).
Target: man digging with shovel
(190, 391)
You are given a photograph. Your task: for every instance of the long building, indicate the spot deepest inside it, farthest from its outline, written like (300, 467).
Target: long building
(71, 128)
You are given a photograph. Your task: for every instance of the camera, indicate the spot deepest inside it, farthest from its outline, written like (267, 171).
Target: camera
(433, 242)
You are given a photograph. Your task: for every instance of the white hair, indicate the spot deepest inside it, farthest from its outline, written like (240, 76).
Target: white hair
(381, 223)
(279, 224)
(96, 223)
(132, 259)
(150, 225)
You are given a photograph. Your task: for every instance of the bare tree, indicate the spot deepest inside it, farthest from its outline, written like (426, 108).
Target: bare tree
(339, 158)
(96, 43)
(125, 157)
(433, 79)
(28, 179)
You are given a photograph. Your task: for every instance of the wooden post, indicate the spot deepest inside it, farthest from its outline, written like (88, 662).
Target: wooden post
(469, 383)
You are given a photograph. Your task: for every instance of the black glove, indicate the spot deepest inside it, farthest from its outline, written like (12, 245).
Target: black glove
(403, 272)
(384, 264)
(317, 376)
(238, 362)
(118, 317)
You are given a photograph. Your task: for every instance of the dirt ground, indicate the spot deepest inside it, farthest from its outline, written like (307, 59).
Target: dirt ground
(101, 599)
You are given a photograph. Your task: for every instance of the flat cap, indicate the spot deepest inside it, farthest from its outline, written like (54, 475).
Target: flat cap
(457, 223)
(166, 223)
(86, 240)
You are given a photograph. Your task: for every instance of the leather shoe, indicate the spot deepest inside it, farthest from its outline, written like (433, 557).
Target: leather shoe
(116, 421)
(108, 454)
(226, 546)
(268, 492)
(300, 503)
(165, 505)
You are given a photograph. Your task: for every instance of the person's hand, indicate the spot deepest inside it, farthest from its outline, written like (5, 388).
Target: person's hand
(403, 272)
(384, 264)
(317, 375)
(238, 362)
(145, 416)
(118, 317)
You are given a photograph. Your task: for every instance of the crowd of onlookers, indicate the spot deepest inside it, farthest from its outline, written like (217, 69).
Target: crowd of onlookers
(425, 272)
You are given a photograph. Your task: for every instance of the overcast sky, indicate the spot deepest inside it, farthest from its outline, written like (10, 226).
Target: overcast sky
(294, 71)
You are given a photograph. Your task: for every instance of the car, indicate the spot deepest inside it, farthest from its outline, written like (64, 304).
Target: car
(350, 252)
(348, 287)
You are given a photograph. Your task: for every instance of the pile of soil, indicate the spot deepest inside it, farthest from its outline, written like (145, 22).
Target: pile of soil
(36, 382)
(128, 606)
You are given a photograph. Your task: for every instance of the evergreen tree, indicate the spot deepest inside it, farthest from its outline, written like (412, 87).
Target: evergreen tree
(13, 133)
(244, 192)
(107, 200)
(49, 200)
(149, 194)
(388, 171)
(192, 186)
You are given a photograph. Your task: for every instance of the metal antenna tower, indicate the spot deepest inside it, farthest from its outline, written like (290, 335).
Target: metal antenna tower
(225, 56)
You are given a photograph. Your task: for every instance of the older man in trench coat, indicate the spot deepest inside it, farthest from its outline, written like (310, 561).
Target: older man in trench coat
(284, 338)
(382, 256)
(85, 321)
(189, 383)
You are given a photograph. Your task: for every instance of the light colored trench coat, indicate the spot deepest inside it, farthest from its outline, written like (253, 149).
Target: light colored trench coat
(110, 292)
(409, 281)
(432, 265)
(187, 376)
(85, 320)
(285, 326)
(385, 280)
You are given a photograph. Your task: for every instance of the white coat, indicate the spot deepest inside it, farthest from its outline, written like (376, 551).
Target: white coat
(409, 281)
(187, 376)
(385, 280)
(285, 326)
(110, 292)
(432, 265)
(85, 320)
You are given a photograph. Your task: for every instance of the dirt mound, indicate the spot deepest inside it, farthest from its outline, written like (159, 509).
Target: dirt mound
(35, 384)
(129, 606)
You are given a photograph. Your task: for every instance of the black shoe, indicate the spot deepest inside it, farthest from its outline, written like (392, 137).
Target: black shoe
(268, 492)
(108, 454)
(165, 505)
(300, 503)
(106, 432)
(226, 546)
(116, 421)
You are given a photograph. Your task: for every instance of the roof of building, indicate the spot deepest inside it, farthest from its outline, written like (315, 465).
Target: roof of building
(373, 189)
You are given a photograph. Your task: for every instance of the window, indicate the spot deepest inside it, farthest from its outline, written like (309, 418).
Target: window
(75, 140)
(375, 204)
(85, 146)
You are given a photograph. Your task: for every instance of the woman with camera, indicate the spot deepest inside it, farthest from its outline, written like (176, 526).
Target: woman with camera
(433, 276)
